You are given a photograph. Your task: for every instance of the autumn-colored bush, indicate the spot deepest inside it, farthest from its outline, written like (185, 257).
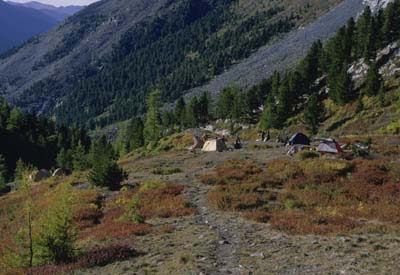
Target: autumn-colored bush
(166, 171)
(284, 169)
(87, 217)
(155, 199)
(165, 229)
(237, 170)
(323, 170)
(307, 154)
(49, 270)
(314, 196)
(234, 198)
(103, 255)
(257, 216)
(298, 222)
(164, 203)
(117, 230)
(95, 256)
(372, 171)
(210, 179)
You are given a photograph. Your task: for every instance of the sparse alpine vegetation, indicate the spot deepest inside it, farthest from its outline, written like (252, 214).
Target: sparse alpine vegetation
(318, 196)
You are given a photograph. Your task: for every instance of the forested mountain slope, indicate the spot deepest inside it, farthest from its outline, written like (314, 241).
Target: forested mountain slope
(98, 67)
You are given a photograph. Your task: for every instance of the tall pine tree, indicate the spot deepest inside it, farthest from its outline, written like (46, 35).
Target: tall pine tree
(313, 114)
(152, 128)
(180, 112)
(3, 174)
(373, 81)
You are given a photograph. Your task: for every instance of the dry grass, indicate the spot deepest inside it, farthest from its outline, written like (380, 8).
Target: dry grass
(98, 255)
(99, 220)
(313, 196)
(164, 203)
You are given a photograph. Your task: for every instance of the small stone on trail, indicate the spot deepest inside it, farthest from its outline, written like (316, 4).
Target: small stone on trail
(365, 254)
(223, 242)
(277, 237)
(258, 255)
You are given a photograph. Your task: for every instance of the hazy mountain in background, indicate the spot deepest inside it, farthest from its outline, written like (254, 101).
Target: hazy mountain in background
(57, 13)
(18, 24)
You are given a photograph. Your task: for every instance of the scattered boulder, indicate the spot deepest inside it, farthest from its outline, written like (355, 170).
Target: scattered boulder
(39, 175)
(61, 172)
(258, 255)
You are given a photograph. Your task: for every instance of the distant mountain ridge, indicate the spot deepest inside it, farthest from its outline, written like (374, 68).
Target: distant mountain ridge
(57, 13)
(18, 24)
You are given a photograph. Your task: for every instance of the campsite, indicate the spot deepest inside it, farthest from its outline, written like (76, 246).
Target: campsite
(203, 137)
(241, 239)
(234, 212)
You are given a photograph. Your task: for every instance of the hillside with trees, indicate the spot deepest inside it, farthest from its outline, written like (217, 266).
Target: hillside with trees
(314, 92)
(29, 142)
(189, 43)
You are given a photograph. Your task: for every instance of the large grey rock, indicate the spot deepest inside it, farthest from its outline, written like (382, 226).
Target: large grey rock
(39, 175)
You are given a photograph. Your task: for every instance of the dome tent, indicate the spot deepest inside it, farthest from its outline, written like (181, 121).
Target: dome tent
(299, 139)
(329, 147)
(214, 145)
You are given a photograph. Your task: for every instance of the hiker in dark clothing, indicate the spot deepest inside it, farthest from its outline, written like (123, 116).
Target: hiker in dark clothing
(262, 136)
(238, 143)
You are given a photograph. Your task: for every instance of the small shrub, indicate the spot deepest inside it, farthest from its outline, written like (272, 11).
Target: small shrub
(372, 171)
(87, 217)
(323, 170)
(209, 179)
(165, 229)
(164, 203)
(152, 184)
(132, 213)
(291, 204)
(103, 255)
(284, 169)
(237, 170)
(296, 222)
(260, 146)
(117, 230)
(308, 155)
(257, 216)
(166, 171)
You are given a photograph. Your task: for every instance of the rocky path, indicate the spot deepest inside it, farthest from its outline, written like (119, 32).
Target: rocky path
(214, 242)
(232, 232)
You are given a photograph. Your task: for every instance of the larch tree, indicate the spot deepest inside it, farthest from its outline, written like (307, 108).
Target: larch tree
(56, 238)
(313, 114)
(152, 126)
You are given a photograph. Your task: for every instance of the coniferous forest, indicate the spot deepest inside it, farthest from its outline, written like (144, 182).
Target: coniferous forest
(181, 49)
(284, 95)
